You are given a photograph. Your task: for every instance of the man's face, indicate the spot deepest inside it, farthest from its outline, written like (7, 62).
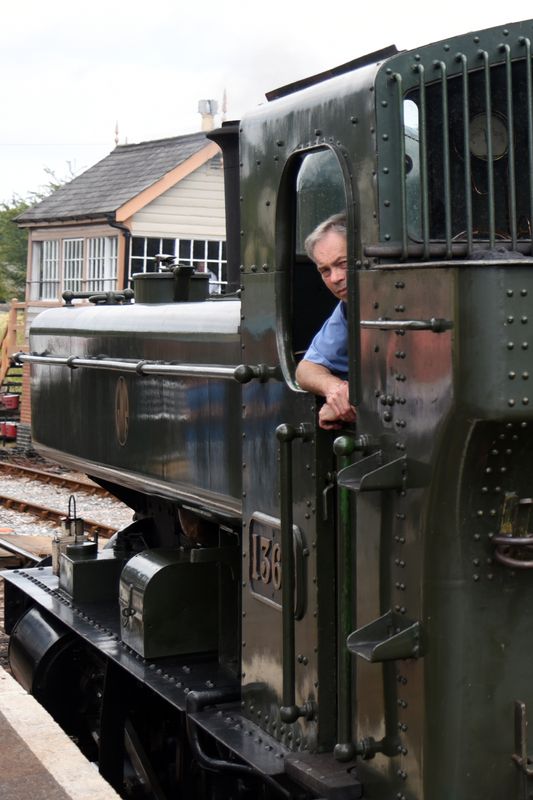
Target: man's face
(330, 256)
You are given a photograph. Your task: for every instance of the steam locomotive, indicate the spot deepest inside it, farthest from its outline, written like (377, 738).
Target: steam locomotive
(292, 612)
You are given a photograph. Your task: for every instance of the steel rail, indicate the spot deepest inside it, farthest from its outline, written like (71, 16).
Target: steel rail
(24, 506)
(74, 484)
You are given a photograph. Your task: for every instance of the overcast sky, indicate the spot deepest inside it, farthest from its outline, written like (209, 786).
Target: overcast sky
(72, 70)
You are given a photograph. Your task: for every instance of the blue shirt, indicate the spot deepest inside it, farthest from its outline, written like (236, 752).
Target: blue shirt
(330, 345)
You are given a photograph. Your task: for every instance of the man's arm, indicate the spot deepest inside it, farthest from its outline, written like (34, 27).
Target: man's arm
(319, 380)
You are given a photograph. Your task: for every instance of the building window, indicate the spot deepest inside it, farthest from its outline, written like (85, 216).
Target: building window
(73, 265)
(102, 264)
(49, 283)
(76, 265)
(205, 255)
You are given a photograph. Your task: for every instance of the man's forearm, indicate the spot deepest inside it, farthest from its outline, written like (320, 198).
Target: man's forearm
(315, 378)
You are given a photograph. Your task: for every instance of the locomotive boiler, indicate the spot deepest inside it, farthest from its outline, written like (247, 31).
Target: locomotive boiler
(295, 613)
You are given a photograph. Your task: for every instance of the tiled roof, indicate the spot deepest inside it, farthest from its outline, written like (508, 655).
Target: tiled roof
(120, 176)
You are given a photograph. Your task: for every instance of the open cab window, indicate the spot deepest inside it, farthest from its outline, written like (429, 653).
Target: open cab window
(313, 189)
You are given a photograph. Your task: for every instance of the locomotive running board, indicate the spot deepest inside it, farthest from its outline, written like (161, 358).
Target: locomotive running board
(321, 773)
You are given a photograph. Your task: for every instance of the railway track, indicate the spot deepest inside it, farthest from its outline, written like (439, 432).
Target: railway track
(72, 484)
(26, 507)
(44, 476)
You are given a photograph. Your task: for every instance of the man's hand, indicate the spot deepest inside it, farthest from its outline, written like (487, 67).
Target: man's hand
(339, 402)
(319, 380)
(337, 409)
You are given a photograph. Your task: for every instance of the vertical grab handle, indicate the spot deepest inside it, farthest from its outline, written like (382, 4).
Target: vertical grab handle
(344, 750)
(286, 434)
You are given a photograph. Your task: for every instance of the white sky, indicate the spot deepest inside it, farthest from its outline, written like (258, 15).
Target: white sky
(71, 70)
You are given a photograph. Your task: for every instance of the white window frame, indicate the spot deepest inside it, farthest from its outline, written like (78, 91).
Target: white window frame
(49, 278)
(73, 258)
(102, 263)
(76, 264)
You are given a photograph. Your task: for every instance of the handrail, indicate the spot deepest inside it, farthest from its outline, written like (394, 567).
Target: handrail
(243, 373)
(286, 434)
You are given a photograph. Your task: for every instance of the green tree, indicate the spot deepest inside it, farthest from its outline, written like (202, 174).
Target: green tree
(13, 251)
(14, 240)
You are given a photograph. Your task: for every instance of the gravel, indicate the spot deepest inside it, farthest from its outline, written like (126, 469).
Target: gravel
(100, 509)
(95, 507)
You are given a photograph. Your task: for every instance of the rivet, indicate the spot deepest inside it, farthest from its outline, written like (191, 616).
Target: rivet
(510, 292)
(525, 345)
(510, 320)
(511, 402)
(525, 376)
(525, 401)
(401, 773)
(523, 292)
(475, 577)
(523, 320)
(385, 137)
(510, 345)
(512, 375)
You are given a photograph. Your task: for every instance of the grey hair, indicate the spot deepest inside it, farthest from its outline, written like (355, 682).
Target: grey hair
(336, 223)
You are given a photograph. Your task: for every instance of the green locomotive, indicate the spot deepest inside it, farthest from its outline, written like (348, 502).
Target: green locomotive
(295, 613)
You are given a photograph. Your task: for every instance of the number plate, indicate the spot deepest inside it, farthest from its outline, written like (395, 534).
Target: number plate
(266, 562)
